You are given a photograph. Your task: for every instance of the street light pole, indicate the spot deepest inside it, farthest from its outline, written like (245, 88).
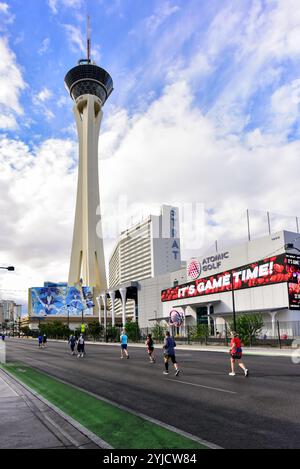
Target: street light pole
(233, 303)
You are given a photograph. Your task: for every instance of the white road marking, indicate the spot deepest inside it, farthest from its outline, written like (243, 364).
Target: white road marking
(202, 386)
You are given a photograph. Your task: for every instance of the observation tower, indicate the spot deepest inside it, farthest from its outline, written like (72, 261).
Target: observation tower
(89, 86)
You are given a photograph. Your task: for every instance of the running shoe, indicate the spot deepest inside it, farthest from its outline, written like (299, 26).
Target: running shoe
(127, 356)
(177, 372)
(231, 374)
(246, 373)
(166, 372)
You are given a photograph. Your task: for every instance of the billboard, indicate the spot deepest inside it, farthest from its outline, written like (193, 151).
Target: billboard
(276, 269)
(61, 301)
(294, 282)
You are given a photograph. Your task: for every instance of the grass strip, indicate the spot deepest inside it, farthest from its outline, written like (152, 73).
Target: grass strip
(117, 427)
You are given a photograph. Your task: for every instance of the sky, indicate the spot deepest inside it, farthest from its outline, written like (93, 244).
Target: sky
(204, 114)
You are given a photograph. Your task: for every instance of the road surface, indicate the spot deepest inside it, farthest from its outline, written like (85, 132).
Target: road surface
(262, 411)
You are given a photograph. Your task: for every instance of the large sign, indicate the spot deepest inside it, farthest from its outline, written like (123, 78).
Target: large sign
(294, 282)
(62, 301)
(268, 271)
(195, 267)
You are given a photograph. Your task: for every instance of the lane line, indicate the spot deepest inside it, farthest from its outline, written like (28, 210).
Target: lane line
(202, 386)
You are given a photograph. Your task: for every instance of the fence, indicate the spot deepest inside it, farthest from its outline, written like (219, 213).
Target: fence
(275, 334)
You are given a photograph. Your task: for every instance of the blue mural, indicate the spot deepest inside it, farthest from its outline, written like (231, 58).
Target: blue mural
(62, 301)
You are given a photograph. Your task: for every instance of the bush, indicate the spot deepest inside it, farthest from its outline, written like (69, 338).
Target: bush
(112, 334)
(248, 326)
(55, 330)
(26, 330)
(158, 332)
(95, 329)
(133, 331)
(199, 332)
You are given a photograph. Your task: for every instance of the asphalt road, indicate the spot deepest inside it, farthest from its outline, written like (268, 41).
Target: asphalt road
(262, 411)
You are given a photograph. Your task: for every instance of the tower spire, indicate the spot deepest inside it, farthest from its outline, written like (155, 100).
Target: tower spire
(88, 40)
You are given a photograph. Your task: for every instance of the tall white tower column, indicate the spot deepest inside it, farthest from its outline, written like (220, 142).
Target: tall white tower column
(89, 87)
(98, 299)
(112, 295)
(87, 257)
(123, 296)
(103, 296)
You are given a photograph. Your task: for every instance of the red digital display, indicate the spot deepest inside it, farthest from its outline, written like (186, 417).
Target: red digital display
(294, 282)
(276, 269)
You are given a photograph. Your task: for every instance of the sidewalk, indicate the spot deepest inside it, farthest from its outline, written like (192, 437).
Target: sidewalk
(28, 423)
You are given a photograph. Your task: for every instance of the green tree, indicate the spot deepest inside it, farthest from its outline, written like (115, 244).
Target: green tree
(199, 332)
(26, 330)
(133, 331)
(112, 334)
(55, 330)
(158, 332)
(248, 326)
(95, 329)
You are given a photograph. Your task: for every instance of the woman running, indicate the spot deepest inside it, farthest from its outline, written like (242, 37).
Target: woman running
(236, 354)
(150, 348)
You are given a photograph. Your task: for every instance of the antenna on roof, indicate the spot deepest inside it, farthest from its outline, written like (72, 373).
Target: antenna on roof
(88, 42)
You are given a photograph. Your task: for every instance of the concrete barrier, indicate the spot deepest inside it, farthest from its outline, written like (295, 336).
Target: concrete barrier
(2, 351)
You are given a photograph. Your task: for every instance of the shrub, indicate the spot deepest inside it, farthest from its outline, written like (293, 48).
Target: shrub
(248, 326)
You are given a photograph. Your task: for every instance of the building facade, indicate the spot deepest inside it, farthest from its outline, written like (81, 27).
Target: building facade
(146, 250)
(261, 276)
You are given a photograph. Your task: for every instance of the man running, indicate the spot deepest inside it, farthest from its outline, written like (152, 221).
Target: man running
(150, 348)
(236, 354)
(44, 341)
(72, 343)
(124, 343)
(80, 346)
(169, 353)
(40, 341)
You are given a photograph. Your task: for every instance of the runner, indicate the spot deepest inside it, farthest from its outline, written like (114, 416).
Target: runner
(150, 348)
(124, 343)
(44, 341)
(236, 354)
(169, 353)
(40, 341)
(80, 346)
(72, 343)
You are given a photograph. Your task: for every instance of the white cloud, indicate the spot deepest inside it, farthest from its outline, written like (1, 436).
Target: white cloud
(11, 85)
(37, 204)
(43, 96)
(75, 38)
(45, 46)
(163, 12)
(56, 4)
(4, 8)
(7, 16)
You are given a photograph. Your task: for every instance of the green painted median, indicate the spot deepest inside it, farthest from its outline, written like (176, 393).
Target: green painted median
(117, 427)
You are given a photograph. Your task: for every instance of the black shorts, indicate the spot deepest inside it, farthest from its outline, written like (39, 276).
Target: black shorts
(150, 349)
(236, 357)
(172, 357)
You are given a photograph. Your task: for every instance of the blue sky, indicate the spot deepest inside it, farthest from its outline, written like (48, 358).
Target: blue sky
(144, 45)
(205, 111)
